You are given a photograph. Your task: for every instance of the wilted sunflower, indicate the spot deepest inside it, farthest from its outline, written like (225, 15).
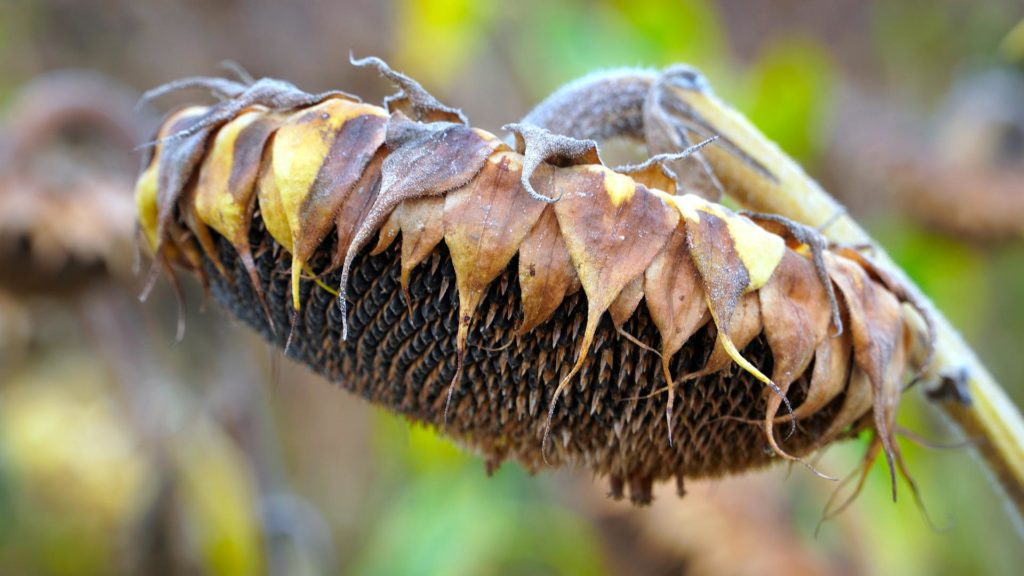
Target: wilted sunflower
(523, 297)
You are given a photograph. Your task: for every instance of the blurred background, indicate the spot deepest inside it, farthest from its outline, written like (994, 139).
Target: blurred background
(124, 452)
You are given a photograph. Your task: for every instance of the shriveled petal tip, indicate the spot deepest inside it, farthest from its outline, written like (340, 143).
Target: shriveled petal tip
(652, 175)
(745, 325)
(388, 232)
(412, 96)
(540, 146)
(655, 172)
(627, 301)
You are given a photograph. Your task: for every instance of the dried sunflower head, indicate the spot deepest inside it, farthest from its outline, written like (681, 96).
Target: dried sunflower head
(66, 167)
(526, 299)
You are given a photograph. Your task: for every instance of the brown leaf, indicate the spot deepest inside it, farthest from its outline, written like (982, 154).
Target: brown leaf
(675, 297)
(546, 274)
(796, 314)
(356, 206)
(625, 304)
(829, 377)
(422, 224)
(855, 404)
(877, 326)
(485, 222)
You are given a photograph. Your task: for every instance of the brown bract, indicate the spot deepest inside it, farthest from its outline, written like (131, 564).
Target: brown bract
(338, 181)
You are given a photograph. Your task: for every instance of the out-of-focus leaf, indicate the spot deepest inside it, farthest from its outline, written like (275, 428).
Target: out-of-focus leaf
(218, 500)
(951, 273)
(59, 423)
(1013, 45)
(436, 38)
(669, 31)
(788, 95)
(74, 476)
(590, 36)
(483, 527)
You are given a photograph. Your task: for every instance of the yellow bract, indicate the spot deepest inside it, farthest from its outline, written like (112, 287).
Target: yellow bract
(300, 148)
(619, 187)
(147, 187)
(145, 204)
(216, 205)
(687, 204)
(302, 144)
(759, 250)
(272, 210)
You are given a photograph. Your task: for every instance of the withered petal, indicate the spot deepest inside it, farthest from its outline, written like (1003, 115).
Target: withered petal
(318, 155)
(485, 222)
(675, 296)
(877, 326)
(421, 222)
(430, 160)
(626, 302)
(178, 160)
(546, 275)
(829, 376)
(796, 314)
(613, 229)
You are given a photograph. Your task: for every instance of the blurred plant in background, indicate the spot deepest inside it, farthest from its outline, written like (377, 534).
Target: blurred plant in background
(121, 451)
